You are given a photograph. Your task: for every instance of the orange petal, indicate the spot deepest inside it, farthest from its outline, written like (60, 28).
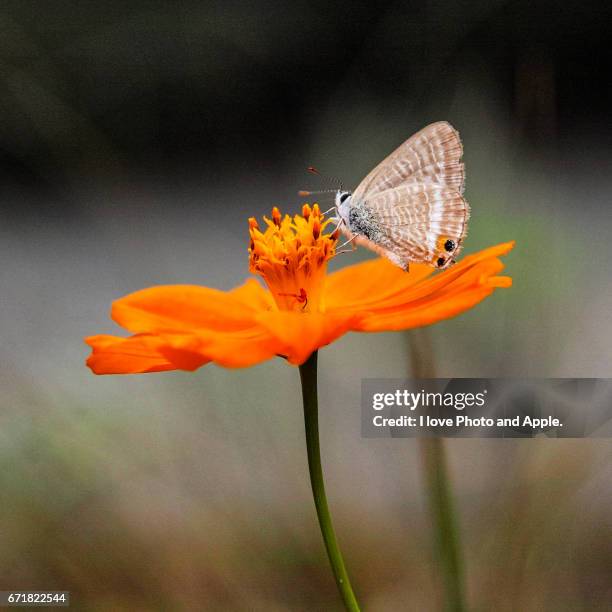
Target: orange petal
(499, 281)
(485, 261)
(425, 314)
(435, 300)
(184, 308)
(434, 288)
(376, 280)
(135, 355)
(392, 287)
(152, 353)
(228, 349)
(298, 334)
(253, 295)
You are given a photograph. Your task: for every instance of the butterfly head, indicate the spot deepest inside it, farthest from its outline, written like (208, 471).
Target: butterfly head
(343, 200)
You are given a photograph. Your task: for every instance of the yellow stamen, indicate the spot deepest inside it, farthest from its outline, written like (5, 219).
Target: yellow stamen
(291, 256)
(276, 216)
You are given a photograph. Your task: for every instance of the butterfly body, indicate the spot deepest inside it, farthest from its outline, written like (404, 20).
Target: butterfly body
(410, 208)
(362, 226)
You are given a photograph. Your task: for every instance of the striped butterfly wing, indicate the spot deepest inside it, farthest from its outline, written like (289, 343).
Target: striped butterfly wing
(420, 222)
(432, 154)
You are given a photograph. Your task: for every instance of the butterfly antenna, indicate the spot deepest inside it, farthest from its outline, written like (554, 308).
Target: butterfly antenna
(307, 193)
(332, 179)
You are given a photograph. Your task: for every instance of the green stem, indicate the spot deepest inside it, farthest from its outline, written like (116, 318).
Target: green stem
(308, 376)
(441, 505)
(438, 485)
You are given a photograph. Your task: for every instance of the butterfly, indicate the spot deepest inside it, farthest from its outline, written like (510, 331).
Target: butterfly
(410, 207)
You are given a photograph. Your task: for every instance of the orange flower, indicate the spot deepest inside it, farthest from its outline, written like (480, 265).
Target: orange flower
(303, 308)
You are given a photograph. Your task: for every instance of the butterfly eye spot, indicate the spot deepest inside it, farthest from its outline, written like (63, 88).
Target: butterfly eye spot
(441, 261)
(449, 246)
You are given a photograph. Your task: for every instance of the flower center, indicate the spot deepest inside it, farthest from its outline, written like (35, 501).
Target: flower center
(291, 256)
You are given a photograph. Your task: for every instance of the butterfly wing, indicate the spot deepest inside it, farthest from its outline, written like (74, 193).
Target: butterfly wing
(432, 154)
(421, 222)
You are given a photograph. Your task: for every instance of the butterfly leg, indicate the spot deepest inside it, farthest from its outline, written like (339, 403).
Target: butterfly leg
(349, 241)
(336, 220)
(342, 252)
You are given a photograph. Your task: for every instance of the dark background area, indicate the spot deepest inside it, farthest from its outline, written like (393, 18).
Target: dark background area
(94, 90)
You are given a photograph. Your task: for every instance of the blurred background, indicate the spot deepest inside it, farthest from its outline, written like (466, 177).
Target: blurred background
(135, 140)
